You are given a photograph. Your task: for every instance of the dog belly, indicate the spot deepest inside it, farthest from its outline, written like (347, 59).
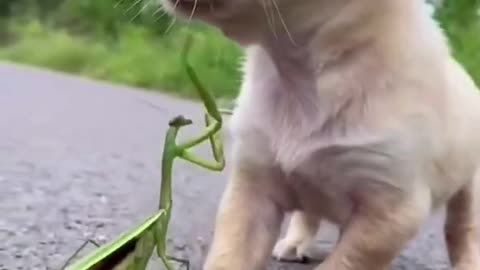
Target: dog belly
(328, 201)
(335, 180)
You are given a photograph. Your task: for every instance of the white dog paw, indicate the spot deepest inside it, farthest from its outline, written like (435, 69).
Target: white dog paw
(289, 251)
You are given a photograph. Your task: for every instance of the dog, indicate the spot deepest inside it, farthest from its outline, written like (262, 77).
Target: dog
(351, 111)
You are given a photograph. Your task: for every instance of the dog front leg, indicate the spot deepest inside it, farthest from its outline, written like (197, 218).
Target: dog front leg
(248, 223)
(461, 230)
(378, 230)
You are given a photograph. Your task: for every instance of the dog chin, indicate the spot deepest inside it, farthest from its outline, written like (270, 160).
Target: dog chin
(242, 38)
(241, 32)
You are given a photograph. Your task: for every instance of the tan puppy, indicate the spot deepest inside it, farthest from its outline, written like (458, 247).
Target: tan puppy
(350, 110)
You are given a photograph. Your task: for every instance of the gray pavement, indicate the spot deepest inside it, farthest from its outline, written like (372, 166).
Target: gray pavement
(80, 160)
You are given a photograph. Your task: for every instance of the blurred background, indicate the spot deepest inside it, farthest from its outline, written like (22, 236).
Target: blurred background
(134, 42)
(124, 41)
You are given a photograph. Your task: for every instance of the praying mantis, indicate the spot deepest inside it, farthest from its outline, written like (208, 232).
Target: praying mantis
(133, 249)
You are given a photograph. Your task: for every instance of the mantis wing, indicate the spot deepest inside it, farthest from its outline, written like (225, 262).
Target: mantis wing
(113, 251)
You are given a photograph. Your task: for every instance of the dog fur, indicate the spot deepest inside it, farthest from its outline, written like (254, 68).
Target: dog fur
(352, 111)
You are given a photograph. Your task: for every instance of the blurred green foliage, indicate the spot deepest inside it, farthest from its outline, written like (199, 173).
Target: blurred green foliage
(461, 21)
(127, 41)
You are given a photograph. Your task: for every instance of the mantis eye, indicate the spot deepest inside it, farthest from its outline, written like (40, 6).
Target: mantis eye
(180, 121)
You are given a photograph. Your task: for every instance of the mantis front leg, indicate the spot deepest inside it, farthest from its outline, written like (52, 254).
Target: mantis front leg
(213, 121)
(212, 132)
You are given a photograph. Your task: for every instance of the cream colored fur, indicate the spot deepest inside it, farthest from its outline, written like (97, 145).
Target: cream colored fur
(353, 111)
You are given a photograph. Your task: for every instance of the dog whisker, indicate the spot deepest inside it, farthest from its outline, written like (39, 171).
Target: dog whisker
(132, 6)
(270, 18)
(272, 14)
(171, 25)
(176, 4)
(283, 22)
(161, 16)
(139, 12)
(164, 13)
(193, 10)
(118, 3)
(157, 11)
(174, 18)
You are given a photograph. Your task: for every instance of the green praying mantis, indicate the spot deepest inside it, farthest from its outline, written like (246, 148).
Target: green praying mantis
(133, 249)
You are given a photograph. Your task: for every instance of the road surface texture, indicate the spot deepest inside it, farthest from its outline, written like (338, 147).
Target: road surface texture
(80, 160)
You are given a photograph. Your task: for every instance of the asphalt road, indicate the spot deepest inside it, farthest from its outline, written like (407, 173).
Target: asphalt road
(80, 160)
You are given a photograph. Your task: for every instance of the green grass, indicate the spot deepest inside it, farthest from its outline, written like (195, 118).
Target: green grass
(467, 45)
(89, 39)
(138, 57)
(461, 21)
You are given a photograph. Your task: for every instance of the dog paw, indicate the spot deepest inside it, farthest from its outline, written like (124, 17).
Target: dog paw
(290, 251)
